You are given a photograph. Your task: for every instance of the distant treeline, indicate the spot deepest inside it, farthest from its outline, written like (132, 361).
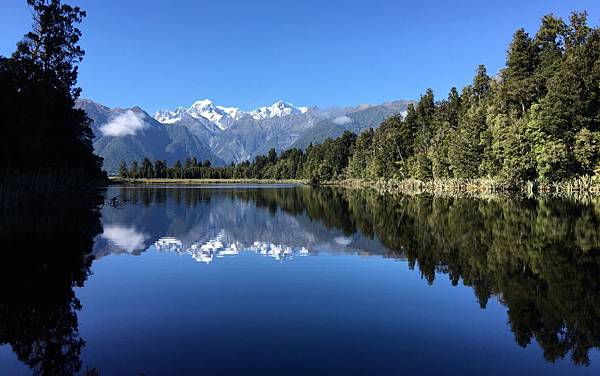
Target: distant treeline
(538, 120)
(287, 165)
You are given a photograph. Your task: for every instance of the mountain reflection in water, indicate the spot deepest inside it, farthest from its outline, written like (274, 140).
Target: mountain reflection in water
(538, 258)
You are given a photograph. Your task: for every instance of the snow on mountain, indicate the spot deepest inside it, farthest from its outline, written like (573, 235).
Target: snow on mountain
(222, 116)
(203, 109)
(216, 114)
(170, 117)
(233, 112)
(278, 109)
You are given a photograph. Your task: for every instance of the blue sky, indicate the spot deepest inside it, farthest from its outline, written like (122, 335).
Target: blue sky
(163, 54)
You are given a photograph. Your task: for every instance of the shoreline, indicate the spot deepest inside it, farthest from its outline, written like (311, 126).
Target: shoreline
(162, 181)
(468, 187)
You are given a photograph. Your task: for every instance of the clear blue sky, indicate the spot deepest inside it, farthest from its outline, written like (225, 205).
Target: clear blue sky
(163, 54)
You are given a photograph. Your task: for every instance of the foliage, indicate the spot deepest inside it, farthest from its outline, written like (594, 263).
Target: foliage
(42, 132)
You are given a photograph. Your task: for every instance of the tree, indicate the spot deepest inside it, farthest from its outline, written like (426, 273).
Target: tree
(147, 169)
(465, 149)
(390, 149)
(361, 154)
(272, 156)
(123, 170)
(43, 70)
(446, 122)
(481, 84)
(160, 168)
(518, 76)
(177, 170)
(572, 102)
(587, 150)
(52, 45)
(419, 163)
(134, 170)
(549, 41)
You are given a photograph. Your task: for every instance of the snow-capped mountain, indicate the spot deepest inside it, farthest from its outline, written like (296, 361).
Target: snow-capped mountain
(206, 109)
(132, 134)
(278, 109)
(222, 134)
(223, 116)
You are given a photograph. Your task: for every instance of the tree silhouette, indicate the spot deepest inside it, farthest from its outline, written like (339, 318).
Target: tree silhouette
(42, 131)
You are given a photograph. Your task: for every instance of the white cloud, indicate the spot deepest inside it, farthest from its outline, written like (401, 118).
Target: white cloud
(126, 238)
(125, 124)
(341, 120)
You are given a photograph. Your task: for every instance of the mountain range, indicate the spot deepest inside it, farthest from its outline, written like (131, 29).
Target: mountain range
(222, 134)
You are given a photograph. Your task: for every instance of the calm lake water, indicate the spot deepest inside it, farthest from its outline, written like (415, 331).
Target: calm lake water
(230, 280)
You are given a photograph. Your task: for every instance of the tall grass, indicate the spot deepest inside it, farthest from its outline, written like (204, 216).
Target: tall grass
(19, 190)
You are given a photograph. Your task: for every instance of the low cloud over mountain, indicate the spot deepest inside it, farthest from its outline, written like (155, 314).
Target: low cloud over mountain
(125, 124)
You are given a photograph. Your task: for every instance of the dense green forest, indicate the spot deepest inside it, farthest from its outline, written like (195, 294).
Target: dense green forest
(46, 143)
(537, 120)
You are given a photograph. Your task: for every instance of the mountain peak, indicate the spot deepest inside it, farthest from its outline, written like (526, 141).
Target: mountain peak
(278, 109)
(204, 103)
(210, 131)
(203, 109)
(223, 117)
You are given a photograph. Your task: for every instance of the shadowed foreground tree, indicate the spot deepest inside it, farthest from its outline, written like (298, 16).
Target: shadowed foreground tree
(43, 134)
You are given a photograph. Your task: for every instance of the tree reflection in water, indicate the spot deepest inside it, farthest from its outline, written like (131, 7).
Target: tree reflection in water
(45, 255)
(539, 258)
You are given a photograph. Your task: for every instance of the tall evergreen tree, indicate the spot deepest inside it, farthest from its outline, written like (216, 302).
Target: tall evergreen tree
(43, 70)
(123, 170)
(419, 163)
(134, 170)
(446, 123)
(147, 169)
(518, 76)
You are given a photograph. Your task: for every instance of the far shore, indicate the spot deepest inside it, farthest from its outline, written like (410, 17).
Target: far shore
(119, 180)
(574, 187)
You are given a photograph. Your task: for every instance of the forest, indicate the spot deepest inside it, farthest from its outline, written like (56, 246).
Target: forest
(536, 121)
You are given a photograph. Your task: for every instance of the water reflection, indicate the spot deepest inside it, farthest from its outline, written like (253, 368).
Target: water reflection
(206, 252)
(539, 258)
(212, 223)
(46, 253)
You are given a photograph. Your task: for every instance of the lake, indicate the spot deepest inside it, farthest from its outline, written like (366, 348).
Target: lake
(286, 280)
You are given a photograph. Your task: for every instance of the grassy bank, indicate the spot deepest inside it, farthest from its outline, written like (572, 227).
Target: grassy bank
(119, 180)
(37, 190)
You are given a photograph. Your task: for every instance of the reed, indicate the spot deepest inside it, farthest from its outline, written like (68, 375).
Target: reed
(18, 190)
